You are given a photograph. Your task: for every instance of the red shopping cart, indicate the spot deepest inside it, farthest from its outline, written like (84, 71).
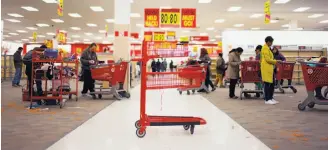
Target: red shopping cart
(285, 70)
(192, 80)
(249, 74)
(165, 80)
(315, 75)
(115, 74)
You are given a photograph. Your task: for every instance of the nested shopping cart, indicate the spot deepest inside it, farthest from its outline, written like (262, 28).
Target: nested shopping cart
(166, 80)
(115, 74)
(285, 71)
(193, 82)
(315, 75)
(249, 74)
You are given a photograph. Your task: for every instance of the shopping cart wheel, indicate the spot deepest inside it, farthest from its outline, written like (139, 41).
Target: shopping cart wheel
(188, 92)
(127, 95)
(140, 133)
(70, 96)
(301, 107)
(193, 91)
(180, 92)
(294, 90)
(137, 124)
(186, 127)
(311, 105)
(192, 128)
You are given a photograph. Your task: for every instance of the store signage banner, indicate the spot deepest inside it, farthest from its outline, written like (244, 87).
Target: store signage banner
(170, 17)
(170, 35)
(61, 37)
(148, 36)
(35, 35)
(199, 38)
(184, 39)
(267, 12)
(60, 8)
(188, 18)
(151, 17)
(48, 43)
(159, 36)
(134, 35)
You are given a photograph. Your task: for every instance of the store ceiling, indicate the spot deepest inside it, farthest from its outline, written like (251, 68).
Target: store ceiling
(206, 16)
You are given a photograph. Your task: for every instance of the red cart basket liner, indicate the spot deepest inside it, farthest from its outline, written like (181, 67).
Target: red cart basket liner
(315, 75)
(250, 71)
(285, 70)
(114, 73)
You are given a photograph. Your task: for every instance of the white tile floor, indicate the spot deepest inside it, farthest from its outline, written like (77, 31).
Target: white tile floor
(113, 128)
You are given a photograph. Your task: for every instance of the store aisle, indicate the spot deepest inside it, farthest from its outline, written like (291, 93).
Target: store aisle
(113, 127)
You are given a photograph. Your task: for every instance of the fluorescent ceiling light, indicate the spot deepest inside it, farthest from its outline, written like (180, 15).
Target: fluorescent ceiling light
(218, 36)
(204, 1)
(102, 31)
(315, 16)
(210, 28)
(203, 34)
(75, 28)
(219, 21)
(32, 28)
(57, 20)
(274, 21)
(86, 40)
(91, 25)
(135, 15)
(15, 15)
(42, 25)
(234, 8)
(41, 36)
(13, 20)
(96, 8)
(50, 33)
(75, 36)
(285, 26)
(88, 33)
(51, 1)
(324, 21)
(255, 28)
(29, 8)
(301, 9)
(25, 39)
(139, 25)
(110, 20)
(63, 31)
(238, 25)
(110, 35)
(21, 31)
(75, 15)
(6, 36)
(13, 33)
(30, 37)
(256, 16)
(281, 1)
(98, 38)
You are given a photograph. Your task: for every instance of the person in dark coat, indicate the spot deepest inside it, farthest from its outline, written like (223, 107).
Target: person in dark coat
(205, 59)
(88, 59)
(18, 63)
(158, 66)
(171, 66)
(153, 66)
(279, 56)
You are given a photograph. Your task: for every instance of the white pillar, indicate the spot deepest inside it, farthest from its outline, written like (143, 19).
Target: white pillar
(122, 12)
(293, 25)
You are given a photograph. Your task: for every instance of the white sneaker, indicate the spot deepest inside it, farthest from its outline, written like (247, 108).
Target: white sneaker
(275, 101)
(270, 102)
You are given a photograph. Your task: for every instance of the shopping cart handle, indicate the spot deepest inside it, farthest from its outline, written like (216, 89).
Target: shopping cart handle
(314, 63)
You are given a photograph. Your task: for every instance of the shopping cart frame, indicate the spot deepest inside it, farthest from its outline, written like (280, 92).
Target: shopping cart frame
(314, 76)
(249, 74)
(193, 89)
(285, 70)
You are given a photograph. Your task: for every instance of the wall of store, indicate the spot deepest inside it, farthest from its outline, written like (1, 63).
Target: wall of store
(249, 39)
(11, 47)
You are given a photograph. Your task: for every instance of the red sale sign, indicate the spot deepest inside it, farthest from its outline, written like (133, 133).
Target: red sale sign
(188, 18)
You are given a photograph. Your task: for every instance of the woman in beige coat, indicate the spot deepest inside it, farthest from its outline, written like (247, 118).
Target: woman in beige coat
(233, 70)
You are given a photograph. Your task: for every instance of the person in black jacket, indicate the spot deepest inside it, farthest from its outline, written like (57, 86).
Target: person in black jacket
(18, 63)
(88, 58)
(158, 66)
(153, 66)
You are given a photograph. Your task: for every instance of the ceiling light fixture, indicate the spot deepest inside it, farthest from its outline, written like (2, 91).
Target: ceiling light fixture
(29, 8)
(110, 20)
(57, 20)
(274, 21)
(13, 20)
(42, 25)
(210, 28)
(238, 25)
(91, 25)
(324, 21)
(135, 15)
(98, 38)
(15, 15)
(63, 31)
(256, 16)
(234, 8)
(219, 21)
(25, 39)
(88, 33)
(285, 26)
(41, 36)
(315, 15)
(6, 36)
(50, 33)
(32, 28)
(13, 33)
(102, 31)
(21, 31)
(301, 9)
(255, 28)
(204, 1)
(75, 15)
(75, 28)
(281, 1)
(51, 1)
(96, 8)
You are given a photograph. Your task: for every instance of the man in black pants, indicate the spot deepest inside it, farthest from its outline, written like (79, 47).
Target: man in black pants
(88, 58)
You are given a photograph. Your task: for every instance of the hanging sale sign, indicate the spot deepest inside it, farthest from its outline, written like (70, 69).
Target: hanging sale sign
(35, 35)
(159, 36)
(199, 38)
(148, 36)
(151, 17)
(170, 35)
(48, 43)
(188, 18)
(267, 12)
(170, 17)
(60, 8)
(61, 37)
(106, 29)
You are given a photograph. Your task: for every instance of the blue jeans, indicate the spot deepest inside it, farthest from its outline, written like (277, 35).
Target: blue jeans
(18, 75)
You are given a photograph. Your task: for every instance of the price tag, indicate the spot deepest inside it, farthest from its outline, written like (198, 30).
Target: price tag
(159, 36)
(170, 18)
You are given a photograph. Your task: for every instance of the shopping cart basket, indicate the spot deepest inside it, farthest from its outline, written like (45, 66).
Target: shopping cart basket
(193, 81)
(113, 73)
(315, 75)
(249, 74)
(285, 70)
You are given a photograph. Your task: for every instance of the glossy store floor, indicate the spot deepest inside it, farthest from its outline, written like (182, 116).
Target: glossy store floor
(113, 127)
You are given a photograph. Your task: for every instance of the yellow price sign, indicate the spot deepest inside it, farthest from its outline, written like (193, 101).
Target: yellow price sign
(267, 12)
(61, 37)
(35, 35)
(60, 7)
(170, 18)
(220, 44)
(159, 36)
